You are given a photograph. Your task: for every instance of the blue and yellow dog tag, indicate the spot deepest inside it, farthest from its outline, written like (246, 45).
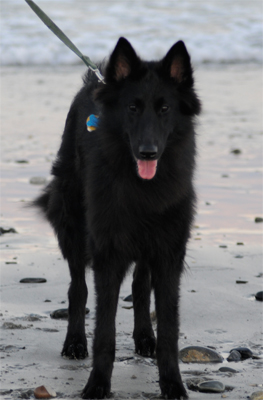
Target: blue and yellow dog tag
(92, 122)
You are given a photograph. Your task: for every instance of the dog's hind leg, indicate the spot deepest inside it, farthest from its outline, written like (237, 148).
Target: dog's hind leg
(62, 206)
(141, 291)
(72, 240)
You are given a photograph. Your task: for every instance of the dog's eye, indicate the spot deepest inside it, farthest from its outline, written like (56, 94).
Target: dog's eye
(132, 107)
(165, 108)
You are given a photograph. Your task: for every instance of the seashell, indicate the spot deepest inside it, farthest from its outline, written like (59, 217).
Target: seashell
(44, 392)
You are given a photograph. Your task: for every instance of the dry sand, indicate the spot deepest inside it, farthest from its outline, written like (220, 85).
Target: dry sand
(215, 310)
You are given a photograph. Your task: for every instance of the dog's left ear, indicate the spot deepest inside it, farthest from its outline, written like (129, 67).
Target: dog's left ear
(123, 61)
(177, 65)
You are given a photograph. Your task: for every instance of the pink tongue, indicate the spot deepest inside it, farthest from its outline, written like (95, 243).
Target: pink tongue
(147, 169)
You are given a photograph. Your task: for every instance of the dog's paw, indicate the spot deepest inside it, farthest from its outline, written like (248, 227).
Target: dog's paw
(75, 349)
(96, 388)
(145, 345)
(173, 390)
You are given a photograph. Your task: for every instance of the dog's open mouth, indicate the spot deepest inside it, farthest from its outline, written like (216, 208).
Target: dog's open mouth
(147, 168)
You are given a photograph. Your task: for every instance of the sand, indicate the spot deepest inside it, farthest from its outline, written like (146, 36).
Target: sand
(215, 310)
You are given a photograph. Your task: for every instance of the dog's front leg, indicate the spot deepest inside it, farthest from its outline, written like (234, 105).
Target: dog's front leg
(166, 287)
(107, 283)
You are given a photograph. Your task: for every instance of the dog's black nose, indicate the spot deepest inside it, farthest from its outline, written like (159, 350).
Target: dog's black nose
(148, 151)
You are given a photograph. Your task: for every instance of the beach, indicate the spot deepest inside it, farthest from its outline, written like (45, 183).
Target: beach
(224, 258)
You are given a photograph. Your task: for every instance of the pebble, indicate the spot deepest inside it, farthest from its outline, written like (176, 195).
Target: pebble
(256, 396)
(244, 352)
(223, 246)
(236, 151)
(258, 219)
(211, 387)
(62, 313)
(128, 298)
(227, 369)
(38, 180)
(22, 161)
(33, 280)
(259, 296)
(234, 356)
(44, 392)
(11, 325)
(198, 354)
(239, 281)
(9, 230)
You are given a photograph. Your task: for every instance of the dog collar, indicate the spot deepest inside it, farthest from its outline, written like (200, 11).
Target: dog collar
(92, 122)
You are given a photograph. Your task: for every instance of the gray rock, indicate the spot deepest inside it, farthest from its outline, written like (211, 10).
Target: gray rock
(256, 395)
(33, 280)
(236, 151)
(258, 219)
(128, 298)
(234, 356)
(8, 230)
(211, 387)
(227, 369)
(198, 354)
(38, 180)
(62, 313)
(259, 296)
(244, 352)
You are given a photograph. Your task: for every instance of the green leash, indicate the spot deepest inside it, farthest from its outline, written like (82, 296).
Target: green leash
(58, 32)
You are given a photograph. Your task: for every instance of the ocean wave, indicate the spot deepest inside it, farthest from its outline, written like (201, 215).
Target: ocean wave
(214, 32)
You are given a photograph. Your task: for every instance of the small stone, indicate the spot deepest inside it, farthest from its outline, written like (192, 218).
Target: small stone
(198, 354)
(9, 230)
(244, 352)
(33, 280)
(211, 387)
(128, 298)
(227, 369)
(22, 161)
(240, 244)
(239, 281)
(38, 180)
(236, 151)
(44, 392)
(223, 246)
(256, 395)
(62, 313)
(258, 219)
(234, 356)
(259, 296)
(11, 325)
(238, 256)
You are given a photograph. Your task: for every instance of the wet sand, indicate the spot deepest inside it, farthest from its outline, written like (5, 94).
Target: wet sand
(215, 310)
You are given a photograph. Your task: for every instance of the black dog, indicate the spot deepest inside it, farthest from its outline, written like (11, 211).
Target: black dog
(123, 193)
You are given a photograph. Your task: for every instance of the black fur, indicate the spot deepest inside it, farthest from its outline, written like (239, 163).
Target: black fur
(106, 215)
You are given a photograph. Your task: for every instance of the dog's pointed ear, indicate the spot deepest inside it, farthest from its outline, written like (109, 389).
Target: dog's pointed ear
(177, 65)
(122, 62)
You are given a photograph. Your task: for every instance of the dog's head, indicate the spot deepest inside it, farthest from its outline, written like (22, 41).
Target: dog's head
(155, 101)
